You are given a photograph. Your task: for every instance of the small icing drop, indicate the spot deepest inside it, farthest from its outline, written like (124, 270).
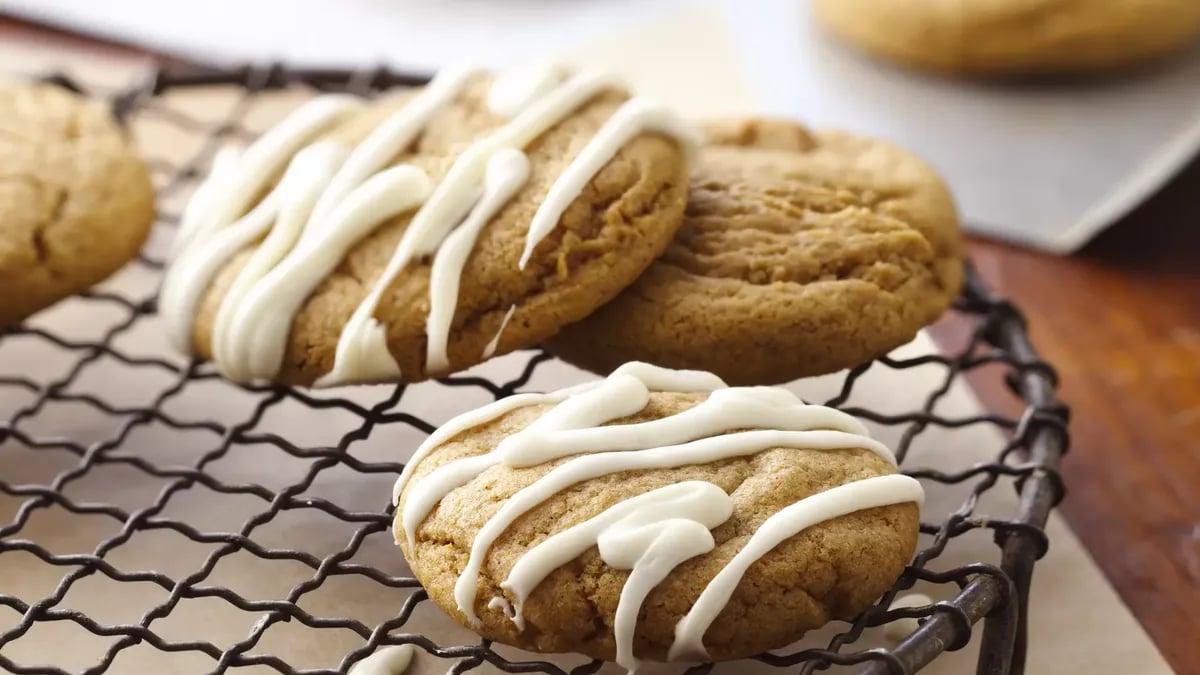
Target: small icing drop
(490, 348)
(393, 660)
(899, 629)
(787, 522)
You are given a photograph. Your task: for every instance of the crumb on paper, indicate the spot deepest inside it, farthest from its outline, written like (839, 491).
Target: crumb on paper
(898, 630)
(392, 660)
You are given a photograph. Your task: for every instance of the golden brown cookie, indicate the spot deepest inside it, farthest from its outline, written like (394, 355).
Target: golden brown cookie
(832, 569)
(800, 254)
(76, 202)
(1014, 37)
(622, 219)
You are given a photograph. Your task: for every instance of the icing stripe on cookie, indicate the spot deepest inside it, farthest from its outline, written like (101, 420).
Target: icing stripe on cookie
(652, 533)
(254, 320)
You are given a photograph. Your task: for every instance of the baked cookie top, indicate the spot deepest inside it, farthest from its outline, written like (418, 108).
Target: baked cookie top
(409, 238)
(655, 514)
(76, 202)
(1014, 37)
(800, 253)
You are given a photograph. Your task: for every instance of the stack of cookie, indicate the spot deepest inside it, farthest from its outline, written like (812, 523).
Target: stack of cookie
(418, 236)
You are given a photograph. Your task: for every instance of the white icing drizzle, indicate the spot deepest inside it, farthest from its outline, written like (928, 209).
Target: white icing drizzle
(650, 534)
(331, 197)
(611, 398)
(223, 161)
(791, 520)
(490, 348)
(462, 187)
(206, 242)
(634, 117)
(393, 660)
(308, 172)
(516, 89)
(507, 171)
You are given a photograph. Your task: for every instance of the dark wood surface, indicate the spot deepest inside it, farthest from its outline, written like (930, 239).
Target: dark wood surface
(1121, 322)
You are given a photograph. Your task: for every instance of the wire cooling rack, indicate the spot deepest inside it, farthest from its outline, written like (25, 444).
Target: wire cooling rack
(133, 505)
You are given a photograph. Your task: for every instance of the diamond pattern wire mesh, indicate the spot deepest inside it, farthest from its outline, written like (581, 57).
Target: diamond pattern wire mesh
(156, 582)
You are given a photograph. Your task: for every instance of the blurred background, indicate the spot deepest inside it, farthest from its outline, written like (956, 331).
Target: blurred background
(1074, 156)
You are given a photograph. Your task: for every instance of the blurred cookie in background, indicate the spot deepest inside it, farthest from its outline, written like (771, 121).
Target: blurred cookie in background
(1014, 37)
(76, 201)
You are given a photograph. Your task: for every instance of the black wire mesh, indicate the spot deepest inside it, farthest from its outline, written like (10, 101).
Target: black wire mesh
(102, 320)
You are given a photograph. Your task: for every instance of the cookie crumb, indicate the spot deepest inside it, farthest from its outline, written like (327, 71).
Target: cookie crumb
(896, 631)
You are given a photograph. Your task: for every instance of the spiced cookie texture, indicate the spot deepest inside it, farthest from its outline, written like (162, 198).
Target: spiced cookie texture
(801, 253)
(76, 202)
(657, 515)
(400, 240)
(1014, 37)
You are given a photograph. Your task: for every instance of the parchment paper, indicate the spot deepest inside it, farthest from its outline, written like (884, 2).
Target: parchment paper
(1078, 624)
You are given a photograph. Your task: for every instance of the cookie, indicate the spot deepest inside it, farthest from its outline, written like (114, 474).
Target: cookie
(800, 254)
(76, 202)
(1014, 37)
(415, 237)
(657, 514)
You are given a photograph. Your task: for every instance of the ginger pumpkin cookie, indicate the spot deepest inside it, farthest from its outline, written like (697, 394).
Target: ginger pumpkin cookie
(1014, 37)
(657, 514)
(76, 201)
(400, 240)
(800, 254)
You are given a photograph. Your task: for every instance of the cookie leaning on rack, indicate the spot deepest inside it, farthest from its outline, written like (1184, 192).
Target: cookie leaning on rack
(657, 514)
(399, 240)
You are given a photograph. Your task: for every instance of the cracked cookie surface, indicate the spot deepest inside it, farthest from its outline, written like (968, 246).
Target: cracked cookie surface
(76, 201)
(609, 234)
(832, 570)
(800, 254)
(1014, 37)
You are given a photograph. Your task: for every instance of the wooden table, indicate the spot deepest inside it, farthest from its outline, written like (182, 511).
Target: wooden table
(1121, 321)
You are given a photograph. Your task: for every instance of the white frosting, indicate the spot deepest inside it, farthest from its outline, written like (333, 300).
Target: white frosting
(650, 534)
(515, 89)
(507, 171)
(393, 660)
(654, 532)
(299, 189)
(490, 348)
(331, 197)
(634, 117)
(788, 522)
(206, 242)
